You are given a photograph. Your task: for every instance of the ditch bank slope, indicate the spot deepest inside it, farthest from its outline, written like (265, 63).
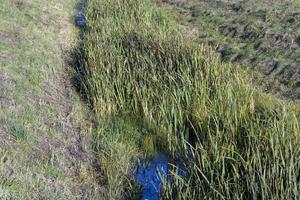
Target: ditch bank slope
(45, 131)
(263, 36)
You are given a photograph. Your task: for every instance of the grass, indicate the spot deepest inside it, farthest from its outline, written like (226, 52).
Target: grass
(155, 89)
(255, 34)
(39, 111)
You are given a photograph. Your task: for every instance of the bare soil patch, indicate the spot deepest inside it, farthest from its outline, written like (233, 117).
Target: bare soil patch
(8, 37)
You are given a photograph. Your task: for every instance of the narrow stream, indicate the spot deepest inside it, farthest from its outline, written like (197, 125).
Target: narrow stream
(150, 174)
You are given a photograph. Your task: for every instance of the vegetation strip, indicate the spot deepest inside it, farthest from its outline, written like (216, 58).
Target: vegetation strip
(44, 126)
(154, 89)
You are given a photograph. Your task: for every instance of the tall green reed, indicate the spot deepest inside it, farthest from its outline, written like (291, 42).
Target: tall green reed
(155, 89)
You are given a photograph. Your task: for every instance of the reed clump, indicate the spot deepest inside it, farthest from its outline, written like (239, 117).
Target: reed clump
(154, 89)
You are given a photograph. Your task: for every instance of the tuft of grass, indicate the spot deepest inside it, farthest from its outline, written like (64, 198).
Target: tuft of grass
(155, 89)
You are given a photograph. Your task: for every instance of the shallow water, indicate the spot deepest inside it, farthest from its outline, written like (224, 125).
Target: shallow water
(80, 21)
(151, 174)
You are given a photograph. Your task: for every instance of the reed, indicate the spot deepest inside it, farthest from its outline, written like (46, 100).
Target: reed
(155, 89)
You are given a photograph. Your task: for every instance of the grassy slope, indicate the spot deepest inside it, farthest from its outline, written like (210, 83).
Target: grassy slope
(256, 34)
(153, 89)
(44, 130)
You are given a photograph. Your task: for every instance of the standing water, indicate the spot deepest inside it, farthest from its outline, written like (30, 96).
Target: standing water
(80, 21)
(151, 175)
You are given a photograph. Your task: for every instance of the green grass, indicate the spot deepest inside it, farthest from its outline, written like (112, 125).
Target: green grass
(154, 89)
(37, 111)
(226, 24)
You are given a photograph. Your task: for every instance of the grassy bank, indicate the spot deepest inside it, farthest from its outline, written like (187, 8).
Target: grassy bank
(259, 35)
(44, 127)
(155, 89)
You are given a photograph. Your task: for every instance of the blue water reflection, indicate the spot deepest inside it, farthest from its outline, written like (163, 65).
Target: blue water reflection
(80, 21)
(151, 174)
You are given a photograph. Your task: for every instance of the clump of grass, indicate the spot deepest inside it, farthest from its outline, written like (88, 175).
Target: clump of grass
(154, 89)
